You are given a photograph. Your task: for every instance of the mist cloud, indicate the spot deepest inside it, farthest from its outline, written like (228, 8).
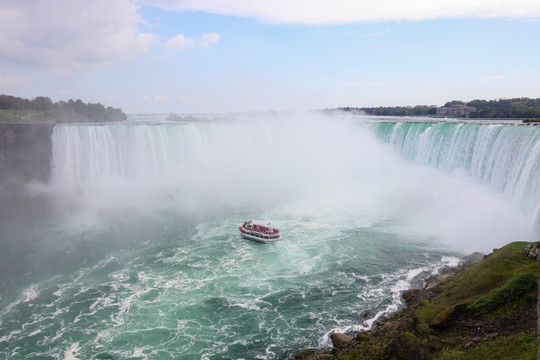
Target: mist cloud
(303, 165)
(346, 11)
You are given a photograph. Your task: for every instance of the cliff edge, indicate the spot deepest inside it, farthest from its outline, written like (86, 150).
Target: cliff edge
(487, 310)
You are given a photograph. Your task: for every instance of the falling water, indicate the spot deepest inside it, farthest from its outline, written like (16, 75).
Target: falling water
(144, 259)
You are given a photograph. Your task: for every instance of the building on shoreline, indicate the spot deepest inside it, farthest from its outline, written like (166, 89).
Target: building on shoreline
(455, 110)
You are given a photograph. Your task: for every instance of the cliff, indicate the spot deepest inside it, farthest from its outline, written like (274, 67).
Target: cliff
(25, 156)
(487, 310)
(25, 152)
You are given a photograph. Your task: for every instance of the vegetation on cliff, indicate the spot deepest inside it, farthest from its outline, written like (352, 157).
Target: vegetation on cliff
(15, 109)
(419, 110)
(483, 311)
(517, 108)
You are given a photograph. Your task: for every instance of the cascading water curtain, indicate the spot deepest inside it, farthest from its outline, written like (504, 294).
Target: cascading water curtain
(504, 157)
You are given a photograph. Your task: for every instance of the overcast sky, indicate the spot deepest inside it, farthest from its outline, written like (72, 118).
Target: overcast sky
(206, 56)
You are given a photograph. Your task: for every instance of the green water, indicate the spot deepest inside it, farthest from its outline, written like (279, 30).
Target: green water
(140, 257)
(199, 291)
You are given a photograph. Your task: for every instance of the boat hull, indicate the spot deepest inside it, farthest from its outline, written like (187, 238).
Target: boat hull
(258, 239)
(259, 233)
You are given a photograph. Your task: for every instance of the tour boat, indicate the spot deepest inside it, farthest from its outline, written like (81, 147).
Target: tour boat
(259, 233)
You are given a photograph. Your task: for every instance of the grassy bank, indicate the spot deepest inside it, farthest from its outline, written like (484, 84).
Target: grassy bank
(24, 116)
(483, 311)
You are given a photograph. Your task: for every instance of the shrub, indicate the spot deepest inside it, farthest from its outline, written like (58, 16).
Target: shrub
(514, 289)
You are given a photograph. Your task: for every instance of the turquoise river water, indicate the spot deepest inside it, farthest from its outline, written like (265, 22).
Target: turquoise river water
(142, 258)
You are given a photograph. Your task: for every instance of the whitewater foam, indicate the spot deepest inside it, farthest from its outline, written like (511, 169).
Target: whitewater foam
(71, 353)
(147, 257)
(391, 288)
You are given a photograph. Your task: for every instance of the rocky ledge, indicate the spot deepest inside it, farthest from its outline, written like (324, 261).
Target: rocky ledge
(485, 308)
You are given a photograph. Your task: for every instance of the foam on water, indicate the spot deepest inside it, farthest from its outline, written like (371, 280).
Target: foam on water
(201, 304)
(72, 352)
(149, 263)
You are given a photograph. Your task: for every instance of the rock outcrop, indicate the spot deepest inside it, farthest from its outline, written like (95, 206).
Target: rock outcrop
(25, 152)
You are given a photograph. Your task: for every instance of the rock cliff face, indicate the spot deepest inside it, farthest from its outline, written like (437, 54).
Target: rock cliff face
(25, 152)
(25, 156)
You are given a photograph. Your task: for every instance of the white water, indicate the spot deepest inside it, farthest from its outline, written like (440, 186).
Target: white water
(146, 262)
(334, 165)
(504, 157)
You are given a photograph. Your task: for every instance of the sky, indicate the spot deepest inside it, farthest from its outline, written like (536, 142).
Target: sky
(219, 56)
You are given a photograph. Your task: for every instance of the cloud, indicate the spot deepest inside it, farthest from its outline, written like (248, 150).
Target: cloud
(158, 98)
(180, 41)
(347, 11)
(161, 97)
(11, 81)
(366, 83)
(70, 34)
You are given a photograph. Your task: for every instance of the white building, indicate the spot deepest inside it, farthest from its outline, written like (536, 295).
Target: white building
(456, 110)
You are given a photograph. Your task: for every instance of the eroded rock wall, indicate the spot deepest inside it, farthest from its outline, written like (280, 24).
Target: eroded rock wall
(25, 152)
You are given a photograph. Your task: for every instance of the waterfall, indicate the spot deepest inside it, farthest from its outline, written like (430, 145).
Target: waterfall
(505, 157)
(264, 162)
(230, 161)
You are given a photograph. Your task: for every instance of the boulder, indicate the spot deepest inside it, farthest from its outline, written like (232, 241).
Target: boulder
(341, 341)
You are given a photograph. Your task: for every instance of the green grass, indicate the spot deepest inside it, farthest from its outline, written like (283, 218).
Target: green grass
(479, 280)
(24, 116)
(369, 348)
(517, 287)
(519, 347)
(501, 288)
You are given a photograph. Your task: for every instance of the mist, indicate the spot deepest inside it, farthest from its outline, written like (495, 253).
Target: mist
(141, 219)
(306, 164)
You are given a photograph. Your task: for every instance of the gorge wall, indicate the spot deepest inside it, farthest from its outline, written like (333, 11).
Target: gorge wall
(25, 152)
(25, 156)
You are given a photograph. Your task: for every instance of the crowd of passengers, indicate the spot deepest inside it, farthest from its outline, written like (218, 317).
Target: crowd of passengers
(533, 251)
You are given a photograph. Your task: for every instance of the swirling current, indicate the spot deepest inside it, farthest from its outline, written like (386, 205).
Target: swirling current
(142, 257)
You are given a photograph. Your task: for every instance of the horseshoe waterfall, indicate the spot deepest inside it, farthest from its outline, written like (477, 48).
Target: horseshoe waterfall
(136, 253)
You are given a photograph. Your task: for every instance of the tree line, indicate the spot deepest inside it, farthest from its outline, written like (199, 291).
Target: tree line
(64, 111)
(419, 110)
(517, 108)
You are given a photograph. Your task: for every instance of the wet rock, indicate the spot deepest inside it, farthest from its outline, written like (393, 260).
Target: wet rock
(341, 341)
(410, 295)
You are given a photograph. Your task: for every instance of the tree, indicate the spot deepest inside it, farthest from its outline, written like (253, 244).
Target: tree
(70, 111)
